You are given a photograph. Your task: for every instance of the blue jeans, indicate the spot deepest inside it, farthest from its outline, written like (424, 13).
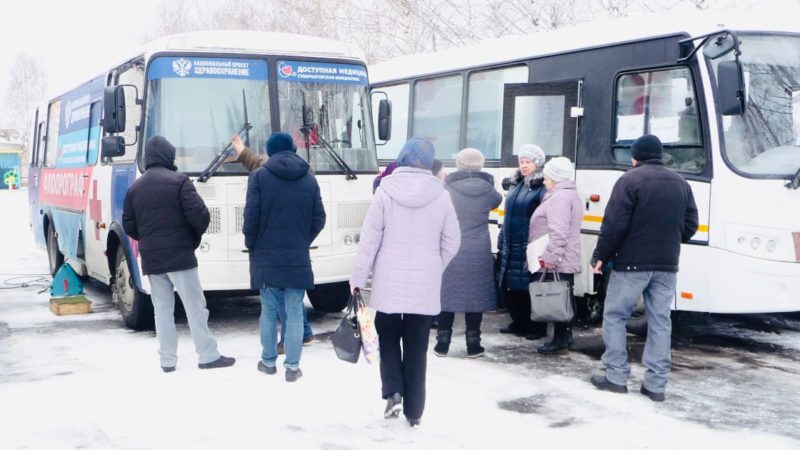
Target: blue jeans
(307, 331)
(624, 289)
(272, 301)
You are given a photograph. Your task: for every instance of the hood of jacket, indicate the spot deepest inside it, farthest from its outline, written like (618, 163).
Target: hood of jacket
(412, 187)
(470, 183)
(159, 153)
(287, 165)
(562, 186)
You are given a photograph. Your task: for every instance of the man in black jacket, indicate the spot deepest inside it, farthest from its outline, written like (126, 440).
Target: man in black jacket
(650, 212)
(283, 214)
(166, 215)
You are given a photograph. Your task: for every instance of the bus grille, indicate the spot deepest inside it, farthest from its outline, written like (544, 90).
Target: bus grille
(351, 215)
(238, 214)
(215, 225)
(206, 191)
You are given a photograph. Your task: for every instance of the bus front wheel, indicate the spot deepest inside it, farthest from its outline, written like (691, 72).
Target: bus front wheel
(54, 256)
(331, 297)
(135, 306)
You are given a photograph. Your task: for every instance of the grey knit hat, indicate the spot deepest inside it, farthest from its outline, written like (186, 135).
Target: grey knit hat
(470, 159)
(532, 152)
(559, 169)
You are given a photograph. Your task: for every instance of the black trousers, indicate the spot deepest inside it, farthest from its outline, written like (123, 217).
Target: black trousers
(403, 369)
(560, 329)
(473, 320)
(519, 308)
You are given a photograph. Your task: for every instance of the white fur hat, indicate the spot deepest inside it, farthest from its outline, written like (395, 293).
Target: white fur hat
(470, 159)
(532, 152)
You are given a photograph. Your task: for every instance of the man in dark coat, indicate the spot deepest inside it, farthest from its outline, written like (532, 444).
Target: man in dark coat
(283, 214)
(650, 212)
(166, 215)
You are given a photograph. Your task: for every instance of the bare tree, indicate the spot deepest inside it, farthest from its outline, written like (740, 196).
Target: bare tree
(27, 85)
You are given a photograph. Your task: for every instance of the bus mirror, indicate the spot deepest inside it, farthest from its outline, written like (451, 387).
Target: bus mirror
(730, 86)
(114, 109)
(385, 120)
(112, 146)
(719, 45)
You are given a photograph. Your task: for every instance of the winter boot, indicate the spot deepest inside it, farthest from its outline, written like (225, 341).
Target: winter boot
(394, 404)
(474, 349)
(442, 342)
(559, 345)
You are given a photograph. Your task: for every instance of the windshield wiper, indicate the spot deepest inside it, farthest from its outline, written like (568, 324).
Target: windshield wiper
(794, 183)
(217, 162)
(336, 157)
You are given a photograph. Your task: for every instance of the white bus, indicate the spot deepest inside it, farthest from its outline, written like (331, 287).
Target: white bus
(723, 96)
(198, 90)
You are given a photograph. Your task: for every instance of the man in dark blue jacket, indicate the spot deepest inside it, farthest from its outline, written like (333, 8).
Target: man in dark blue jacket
(650, 212)
(165, 214)
(283, 214)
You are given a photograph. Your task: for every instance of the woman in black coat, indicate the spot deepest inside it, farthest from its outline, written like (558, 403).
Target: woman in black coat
(525, 192)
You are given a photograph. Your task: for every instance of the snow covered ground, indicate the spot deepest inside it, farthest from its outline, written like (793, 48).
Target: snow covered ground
(85, 382)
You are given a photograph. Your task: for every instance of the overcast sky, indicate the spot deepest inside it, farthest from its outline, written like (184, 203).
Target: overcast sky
(79, 39)
(74, 39)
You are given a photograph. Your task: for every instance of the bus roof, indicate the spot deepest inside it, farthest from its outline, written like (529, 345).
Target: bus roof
(599, 33)
(255, 42)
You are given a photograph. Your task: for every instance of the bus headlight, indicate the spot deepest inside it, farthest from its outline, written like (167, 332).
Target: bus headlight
(358, 237)
(348, 240)
(755, 242)
(205, 247)
(771, 245)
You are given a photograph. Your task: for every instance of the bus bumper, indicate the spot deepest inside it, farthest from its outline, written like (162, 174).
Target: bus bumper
(740, 284)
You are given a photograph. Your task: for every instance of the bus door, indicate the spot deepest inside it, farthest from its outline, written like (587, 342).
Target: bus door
(545, 114)
(34, 174)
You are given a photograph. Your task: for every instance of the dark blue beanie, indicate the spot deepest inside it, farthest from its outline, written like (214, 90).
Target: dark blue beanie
(647, 147)
(280, 142)
(417, 152)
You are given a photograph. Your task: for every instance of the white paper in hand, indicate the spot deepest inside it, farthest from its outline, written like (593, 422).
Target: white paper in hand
(535, 251)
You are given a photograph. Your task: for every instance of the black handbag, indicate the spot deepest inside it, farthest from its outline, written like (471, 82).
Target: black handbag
(347, 337)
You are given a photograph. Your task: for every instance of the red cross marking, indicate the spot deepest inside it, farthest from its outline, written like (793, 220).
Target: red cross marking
(95, 210)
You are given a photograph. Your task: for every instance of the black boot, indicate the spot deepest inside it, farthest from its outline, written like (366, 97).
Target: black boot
(474, 349)
(559, 345)
(442, 342)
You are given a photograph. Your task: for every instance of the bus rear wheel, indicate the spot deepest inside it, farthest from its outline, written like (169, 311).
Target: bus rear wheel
(637, 324)
(55, 258)
(135, 306)
(331, 297)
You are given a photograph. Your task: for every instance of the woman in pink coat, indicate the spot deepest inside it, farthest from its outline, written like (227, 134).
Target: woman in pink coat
(409, 236)
(559, 215)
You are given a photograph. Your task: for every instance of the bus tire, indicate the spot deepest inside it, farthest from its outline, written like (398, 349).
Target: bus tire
(55, 258)
(135, 306)
(331, 297)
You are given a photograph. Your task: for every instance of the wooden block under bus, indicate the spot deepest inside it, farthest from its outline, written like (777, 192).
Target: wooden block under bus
(63, 306)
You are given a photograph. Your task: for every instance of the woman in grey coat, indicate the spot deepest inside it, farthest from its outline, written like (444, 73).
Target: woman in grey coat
(468, 282)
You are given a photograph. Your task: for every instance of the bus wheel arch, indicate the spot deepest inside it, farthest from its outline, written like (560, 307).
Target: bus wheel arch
(55, 259)
(330, 297)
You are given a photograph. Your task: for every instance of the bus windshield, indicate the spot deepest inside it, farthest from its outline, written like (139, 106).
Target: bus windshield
(765, 140)
(325, 107)
(198, 104)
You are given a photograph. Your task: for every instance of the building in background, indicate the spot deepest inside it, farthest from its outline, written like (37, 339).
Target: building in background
(11, 153)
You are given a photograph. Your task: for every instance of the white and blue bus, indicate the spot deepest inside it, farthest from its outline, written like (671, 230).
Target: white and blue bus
(198, 90)
(723, 95)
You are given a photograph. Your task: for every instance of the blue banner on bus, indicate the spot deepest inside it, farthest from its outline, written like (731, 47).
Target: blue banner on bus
(190, 67)
(316, 72)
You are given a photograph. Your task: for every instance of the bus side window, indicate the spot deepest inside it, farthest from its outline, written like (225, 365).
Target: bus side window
(437, 113)
(51, 144)
(93, 144)
(398, 94)
(660, 102)
(133, 112)
(485, 107)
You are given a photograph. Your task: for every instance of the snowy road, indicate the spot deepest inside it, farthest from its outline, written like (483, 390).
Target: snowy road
(86, 382)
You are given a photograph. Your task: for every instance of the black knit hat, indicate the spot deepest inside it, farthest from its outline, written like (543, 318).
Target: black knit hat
(280, 142)
(647, 147)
